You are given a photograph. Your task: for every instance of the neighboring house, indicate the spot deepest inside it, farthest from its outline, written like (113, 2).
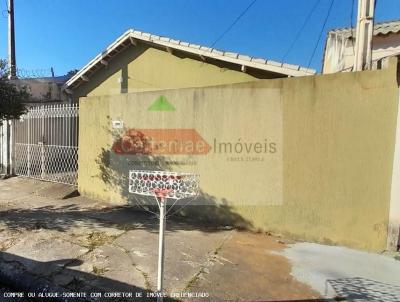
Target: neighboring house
(44, 90)
(139, 61)
(340, 46)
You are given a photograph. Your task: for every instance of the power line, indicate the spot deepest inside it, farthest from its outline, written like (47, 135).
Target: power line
(301, 29)
(6, 11)
(320, 34)
(233, 23)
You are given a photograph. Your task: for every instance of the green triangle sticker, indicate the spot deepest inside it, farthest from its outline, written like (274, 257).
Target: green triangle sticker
(161, 104)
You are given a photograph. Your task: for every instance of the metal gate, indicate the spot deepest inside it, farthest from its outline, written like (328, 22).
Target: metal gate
(3, 150)
(46, 143)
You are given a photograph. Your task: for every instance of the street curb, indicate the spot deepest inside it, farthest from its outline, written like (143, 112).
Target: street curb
(21, 281)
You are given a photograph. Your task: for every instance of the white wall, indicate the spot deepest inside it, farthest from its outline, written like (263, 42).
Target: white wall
(339, 52)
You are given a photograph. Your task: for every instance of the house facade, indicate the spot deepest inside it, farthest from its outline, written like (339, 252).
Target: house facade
(139, 61)
(322, 179)
(44, 90)
(340, 46)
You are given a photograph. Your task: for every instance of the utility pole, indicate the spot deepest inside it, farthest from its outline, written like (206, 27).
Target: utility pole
(11, 42)
(12, 74)
(364, 35)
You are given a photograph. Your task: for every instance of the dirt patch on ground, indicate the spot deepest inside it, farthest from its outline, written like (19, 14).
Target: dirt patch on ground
(252, 266)
(96, 239)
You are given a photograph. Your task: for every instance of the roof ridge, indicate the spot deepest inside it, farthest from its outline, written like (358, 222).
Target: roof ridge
(211, 49)
(195, 49)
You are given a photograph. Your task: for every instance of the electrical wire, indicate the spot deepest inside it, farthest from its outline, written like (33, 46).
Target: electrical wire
(233, 23)
(6, 11)
(320, 34)
(317, 2)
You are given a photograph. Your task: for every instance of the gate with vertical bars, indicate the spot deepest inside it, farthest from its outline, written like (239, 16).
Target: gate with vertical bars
(46, 143)
(3, 144)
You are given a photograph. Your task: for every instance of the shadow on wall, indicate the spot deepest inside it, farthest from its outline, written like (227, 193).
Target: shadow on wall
(17, 278)
(361, 289)
(120, 65)
(114, 165)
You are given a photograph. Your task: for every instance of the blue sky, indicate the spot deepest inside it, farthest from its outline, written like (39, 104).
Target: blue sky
(67, 34)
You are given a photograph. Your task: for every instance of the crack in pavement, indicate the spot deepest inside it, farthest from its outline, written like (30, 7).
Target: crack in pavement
(211, 259)
(145, 275)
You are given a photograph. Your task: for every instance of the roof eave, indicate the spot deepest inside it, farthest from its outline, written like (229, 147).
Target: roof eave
(261, 64)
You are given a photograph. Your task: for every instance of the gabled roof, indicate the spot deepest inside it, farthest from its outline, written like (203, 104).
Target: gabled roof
(133, 37)
(383, 28)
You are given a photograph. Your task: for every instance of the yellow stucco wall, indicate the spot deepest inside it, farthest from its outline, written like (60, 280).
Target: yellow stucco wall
(329, 180)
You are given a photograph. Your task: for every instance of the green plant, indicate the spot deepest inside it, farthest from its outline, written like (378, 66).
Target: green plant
(12, 99)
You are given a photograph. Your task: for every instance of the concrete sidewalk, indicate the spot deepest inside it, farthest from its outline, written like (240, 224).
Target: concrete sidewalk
(83, 245)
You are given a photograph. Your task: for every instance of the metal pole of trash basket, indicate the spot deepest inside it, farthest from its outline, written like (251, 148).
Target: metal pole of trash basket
(163, 186)
(161, 248)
